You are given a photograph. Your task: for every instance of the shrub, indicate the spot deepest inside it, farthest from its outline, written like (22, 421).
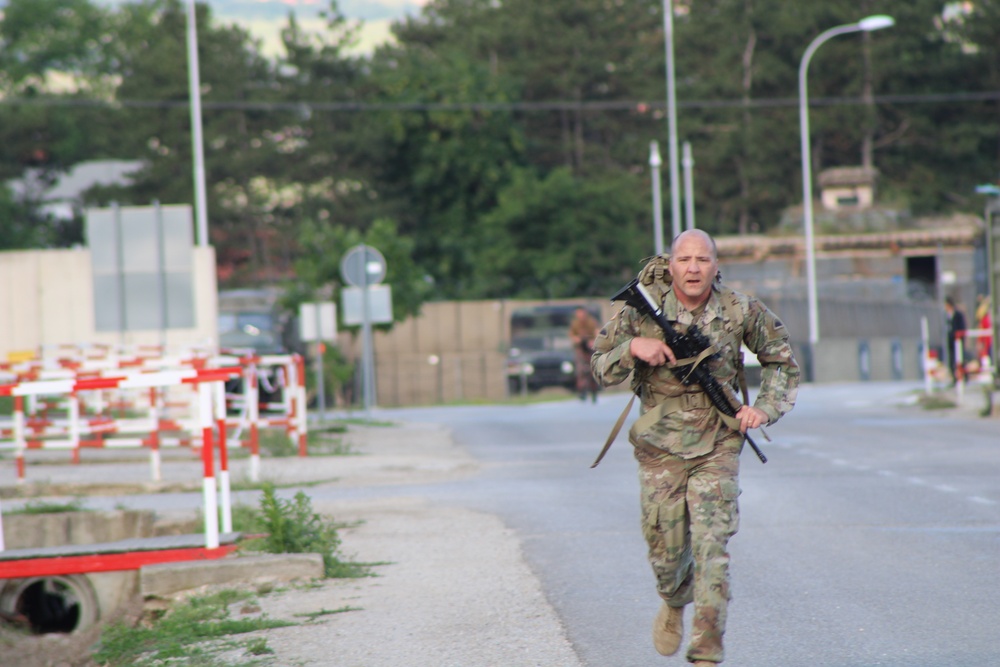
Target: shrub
(291, 526)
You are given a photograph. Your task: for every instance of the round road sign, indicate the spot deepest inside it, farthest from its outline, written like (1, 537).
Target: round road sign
(363, 266)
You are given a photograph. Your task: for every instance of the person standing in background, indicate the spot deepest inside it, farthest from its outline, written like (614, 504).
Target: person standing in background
(582, 332)
(956, 339)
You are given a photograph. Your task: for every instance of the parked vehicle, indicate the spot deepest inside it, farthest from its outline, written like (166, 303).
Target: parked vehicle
(251, 322)
(541, 354)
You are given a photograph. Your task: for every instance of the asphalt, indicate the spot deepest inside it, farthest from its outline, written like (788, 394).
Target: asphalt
(438, 597)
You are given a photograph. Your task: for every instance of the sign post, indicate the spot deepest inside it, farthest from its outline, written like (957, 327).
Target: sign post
(364, 266)
(318, 323)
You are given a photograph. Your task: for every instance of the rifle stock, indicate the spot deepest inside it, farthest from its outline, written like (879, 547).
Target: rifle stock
(685, 347)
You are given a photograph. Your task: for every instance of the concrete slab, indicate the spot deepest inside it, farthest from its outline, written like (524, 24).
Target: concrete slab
(170, 578)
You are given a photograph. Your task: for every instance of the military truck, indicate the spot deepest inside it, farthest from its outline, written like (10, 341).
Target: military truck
(541, 354)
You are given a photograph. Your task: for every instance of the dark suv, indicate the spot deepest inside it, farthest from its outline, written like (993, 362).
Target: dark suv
(541, 354)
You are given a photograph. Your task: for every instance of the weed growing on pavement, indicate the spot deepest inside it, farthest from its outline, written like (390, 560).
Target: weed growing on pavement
(291, 526)
(259, 647)
(46, 507)
(934, 402)
(327, 427)
(245, 484)
(277, 444)
(191, 633)
(313, 615)
(365, 421)
(321, 444)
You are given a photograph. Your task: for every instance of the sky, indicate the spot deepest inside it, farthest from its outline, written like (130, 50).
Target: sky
(264, 18)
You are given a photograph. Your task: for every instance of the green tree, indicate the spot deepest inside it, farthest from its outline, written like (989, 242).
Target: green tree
(540, 241)
(317, 269)
(245, 204)
(439, 168)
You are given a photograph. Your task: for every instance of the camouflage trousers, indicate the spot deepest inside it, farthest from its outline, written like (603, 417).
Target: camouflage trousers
(689, 512)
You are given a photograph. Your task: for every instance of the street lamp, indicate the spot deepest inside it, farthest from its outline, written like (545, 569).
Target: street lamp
(675, 186)
(654, 163)
(868, 24)
(197, 144)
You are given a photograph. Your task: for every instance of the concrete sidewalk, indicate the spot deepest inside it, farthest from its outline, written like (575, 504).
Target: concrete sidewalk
(451, 587)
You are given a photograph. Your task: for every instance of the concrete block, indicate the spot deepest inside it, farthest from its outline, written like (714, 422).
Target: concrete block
(169, 578)
(26, 531)
(113, 590)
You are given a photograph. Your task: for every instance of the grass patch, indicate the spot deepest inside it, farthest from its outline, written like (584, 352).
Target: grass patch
(47, 507)
(935, 402)
(259, 647)
(326, 427)
(277, 444)
(321, 443)
(291, 526)
(248, 485)
(191, 633)
(365, 421)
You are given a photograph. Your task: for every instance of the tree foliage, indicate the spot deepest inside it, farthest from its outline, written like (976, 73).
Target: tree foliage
(495, 149)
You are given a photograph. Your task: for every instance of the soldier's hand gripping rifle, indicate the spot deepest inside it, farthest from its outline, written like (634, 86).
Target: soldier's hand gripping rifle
(686, 346)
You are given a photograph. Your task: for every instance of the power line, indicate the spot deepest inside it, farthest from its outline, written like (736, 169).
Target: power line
(557, 105)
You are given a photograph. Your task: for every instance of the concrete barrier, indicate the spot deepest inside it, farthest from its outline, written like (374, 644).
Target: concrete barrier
(74, 602)
(170, 578)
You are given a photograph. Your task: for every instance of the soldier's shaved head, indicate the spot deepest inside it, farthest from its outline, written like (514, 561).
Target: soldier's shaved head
(699, 233)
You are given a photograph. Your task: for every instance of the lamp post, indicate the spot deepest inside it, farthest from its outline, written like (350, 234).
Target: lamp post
(688, 163)
(675, 186)
(876, 22)
(654, 163)
(197, 144)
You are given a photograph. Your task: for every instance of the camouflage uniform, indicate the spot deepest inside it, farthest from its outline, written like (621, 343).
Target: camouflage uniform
(688, 457)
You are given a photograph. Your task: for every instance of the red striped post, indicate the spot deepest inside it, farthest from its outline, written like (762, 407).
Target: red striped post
(219, 390)
(208, 484)
(299, 414)
(19, 442)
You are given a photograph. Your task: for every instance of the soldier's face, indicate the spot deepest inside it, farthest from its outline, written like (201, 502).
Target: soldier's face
(693, 267)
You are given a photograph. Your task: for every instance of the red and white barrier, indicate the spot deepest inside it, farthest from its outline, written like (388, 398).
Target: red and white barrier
(64, 404)
(104, 431)
(202, 379)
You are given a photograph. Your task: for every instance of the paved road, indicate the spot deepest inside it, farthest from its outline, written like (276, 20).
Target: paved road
(870, 538)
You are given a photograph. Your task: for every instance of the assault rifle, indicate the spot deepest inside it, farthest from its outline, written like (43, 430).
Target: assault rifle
(686, 346)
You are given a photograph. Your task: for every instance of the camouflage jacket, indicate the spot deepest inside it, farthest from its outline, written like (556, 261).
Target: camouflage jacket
(694, 431)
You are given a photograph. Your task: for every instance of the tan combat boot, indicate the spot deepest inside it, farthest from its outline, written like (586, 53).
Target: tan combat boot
(668, 629)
